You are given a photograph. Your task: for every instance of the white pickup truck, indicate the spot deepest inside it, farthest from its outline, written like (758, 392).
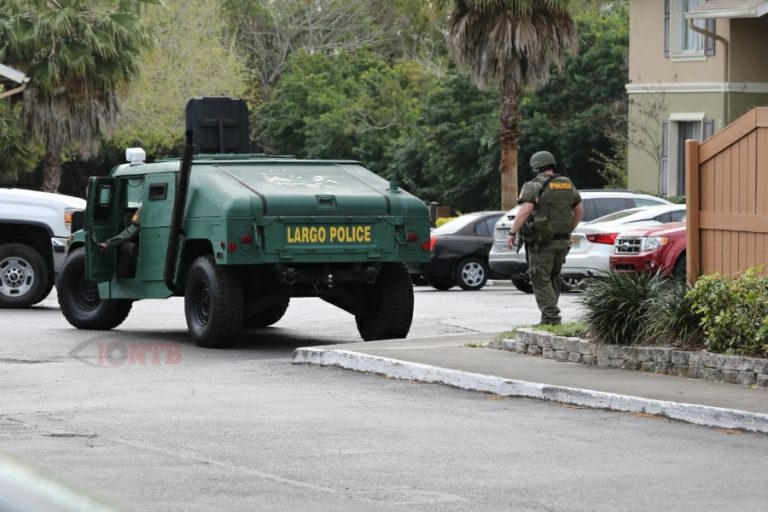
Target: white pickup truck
(34, 228)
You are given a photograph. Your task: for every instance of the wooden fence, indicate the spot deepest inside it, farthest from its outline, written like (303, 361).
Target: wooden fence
(727, 214)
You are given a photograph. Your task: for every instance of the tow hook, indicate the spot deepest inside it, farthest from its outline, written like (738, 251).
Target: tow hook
(369, 274)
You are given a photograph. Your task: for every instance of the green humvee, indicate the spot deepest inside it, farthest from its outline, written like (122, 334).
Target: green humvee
(238, 235)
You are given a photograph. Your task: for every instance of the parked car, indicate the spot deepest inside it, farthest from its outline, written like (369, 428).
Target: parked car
(657, 249)
(459, 251)
(34, 229)
(592, 242)
(511, 264)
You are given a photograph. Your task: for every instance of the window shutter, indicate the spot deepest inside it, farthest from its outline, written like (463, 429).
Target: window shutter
(709, 44)
(666, 28)
(709, 128)
(664, 159)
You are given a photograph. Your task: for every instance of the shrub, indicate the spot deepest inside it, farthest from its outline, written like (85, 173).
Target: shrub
(733, 311)
(672, 319)
(618, 306)
(443, 220)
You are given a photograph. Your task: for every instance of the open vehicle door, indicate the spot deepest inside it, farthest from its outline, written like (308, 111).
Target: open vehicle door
(99, 226)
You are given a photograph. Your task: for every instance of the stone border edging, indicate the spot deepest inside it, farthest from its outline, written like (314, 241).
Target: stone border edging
(749, 371)
(691, 413)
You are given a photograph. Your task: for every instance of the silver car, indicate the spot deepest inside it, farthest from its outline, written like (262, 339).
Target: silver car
(597, 203)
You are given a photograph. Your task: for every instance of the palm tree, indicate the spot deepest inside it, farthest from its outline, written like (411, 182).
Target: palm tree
(511, 45)
(79, 55)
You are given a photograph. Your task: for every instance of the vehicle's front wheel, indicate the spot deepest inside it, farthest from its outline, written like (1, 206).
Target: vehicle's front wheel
(389, 305)
(213, 303)
(472, 274)
(23, 276)
(79, 298)
(523, 285)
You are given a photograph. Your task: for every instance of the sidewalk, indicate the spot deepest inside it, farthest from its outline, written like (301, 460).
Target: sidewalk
(458, 361)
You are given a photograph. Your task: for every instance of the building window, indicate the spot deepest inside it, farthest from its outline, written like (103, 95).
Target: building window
(680, 42)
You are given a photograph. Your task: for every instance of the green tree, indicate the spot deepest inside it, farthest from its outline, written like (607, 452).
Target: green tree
(510, 44)
(351, 104)
(581, 114)
(451, 153)
(79, 55)
(18, 155)
(178, 68)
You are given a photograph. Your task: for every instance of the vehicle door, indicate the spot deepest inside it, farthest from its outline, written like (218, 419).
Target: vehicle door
(484, 232)
(156, 211)
(100, 222)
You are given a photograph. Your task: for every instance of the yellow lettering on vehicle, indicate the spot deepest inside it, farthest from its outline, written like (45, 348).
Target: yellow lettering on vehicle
(333, 234)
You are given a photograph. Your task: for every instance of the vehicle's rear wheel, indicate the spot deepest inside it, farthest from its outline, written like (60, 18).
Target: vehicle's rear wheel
(523, 285)
(79, 298)
(213, 303)
(23, 276)
(570, 284)
(441, 283)
(472, 274)
(389, 305)
(269, 316)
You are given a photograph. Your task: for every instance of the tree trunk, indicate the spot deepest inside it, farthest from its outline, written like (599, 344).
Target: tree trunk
(52, 170)
(510, 136)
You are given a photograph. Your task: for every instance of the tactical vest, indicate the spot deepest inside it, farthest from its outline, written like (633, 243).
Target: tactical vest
(556, 202)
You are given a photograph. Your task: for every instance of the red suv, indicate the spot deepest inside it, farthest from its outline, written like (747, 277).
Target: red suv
(657, 249)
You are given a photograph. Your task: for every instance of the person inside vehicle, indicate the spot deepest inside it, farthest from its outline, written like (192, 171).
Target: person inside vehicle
(550, 209)
(128, 241)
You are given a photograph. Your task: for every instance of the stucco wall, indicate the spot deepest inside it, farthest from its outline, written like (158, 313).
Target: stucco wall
(749, 43)
(647, 63)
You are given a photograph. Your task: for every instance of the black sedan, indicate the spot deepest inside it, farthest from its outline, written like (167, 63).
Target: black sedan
(459, 251)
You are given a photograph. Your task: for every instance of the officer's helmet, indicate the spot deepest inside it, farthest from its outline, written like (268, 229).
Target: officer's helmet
(542, 159)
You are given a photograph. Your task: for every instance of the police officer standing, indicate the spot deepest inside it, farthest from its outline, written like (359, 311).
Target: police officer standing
(550, 208)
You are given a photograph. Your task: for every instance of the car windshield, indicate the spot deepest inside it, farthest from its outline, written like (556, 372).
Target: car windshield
(455, 225)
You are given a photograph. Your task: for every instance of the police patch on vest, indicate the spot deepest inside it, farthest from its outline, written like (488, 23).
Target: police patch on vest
(560, 185)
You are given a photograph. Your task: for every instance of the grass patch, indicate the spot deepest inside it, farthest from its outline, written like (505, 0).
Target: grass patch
(575, 329)
(506, 335)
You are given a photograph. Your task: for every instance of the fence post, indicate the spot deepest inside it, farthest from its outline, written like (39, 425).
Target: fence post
(692, 209)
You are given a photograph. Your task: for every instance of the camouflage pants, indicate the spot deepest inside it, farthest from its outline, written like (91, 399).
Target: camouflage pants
(544, 265)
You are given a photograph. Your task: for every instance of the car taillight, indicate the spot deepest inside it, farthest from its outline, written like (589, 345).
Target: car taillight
(602, 238)
(432, 242)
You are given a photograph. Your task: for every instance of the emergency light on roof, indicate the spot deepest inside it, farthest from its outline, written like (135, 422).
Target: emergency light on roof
(135, 155)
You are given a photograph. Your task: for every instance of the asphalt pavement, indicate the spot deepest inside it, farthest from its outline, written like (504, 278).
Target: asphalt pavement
(464, 361)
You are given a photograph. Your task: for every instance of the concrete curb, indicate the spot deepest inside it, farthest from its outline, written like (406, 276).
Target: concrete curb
(691, 413)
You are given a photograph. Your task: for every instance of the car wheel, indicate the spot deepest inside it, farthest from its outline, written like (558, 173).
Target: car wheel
(388, 311)
(79, 298)
(269, 316)
(680, 267)
(472, 274)
(441, 283)
(23, 276)
(213, 303)
(523, 285)
(570, 284)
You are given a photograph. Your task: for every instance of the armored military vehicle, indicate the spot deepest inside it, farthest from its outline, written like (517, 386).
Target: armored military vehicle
(237, 235)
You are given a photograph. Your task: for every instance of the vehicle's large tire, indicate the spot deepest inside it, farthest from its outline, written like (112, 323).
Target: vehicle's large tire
(23, 276)
(46, 291)
(390, 305)
(441, 283)
(269, 316)
(472, 274)
(213, 303)
(79, 298)
(523, 285)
